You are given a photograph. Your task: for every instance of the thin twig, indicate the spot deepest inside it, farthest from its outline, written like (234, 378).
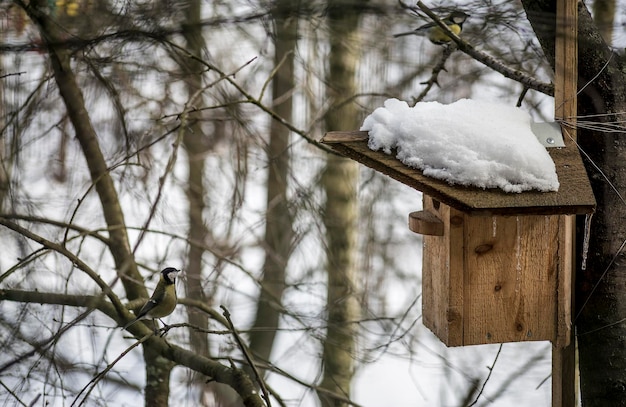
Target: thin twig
(40, 347)
(92, 383)
(248, 98)
(521, 97)
(488, 60)
(246, 354)
(433, 80)
(493, 365)
(12, 74)
(76, 261)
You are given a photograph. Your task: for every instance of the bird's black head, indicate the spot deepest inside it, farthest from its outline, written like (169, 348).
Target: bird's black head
(458, 17)
(169, 275)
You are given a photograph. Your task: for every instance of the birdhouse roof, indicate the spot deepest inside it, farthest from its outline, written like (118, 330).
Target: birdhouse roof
(573, 197)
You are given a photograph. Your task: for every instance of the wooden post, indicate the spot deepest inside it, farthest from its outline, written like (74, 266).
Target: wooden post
(566, 78)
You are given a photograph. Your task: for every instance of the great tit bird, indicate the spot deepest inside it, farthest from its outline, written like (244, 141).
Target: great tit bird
(435, 34)
(163, 300)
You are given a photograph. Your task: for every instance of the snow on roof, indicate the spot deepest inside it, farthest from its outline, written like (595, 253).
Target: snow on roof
(467, 142)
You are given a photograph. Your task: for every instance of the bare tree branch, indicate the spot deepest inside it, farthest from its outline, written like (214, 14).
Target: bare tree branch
(106, 289)
(236, 378)
(488, 60)
(85, 133)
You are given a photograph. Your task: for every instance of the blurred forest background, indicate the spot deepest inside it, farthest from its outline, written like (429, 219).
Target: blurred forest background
(138, 135)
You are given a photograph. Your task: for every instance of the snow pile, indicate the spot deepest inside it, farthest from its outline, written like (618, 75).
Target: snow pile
(466, 142)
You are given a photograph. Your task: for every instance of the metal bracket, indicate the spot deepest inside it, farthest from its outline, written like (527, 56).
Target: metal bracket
(549, 134)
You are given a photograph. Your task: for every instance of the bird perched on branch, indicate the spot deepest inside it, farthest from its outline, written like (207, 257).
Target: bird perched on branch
(163, 300)
(436, 34)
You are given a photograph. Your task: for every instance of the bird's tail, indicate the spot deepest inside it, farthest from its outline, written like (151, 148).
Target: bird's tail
(422, 30)
(404, 33)
(130, 323)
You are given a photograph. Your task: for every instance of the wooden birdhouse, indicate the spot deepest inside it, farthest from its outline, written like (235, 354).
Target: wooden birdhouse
(496, 266)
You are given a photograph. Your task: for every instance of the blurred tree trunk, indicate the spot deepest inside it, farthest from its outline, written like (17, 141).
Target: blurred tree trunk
(600, 296)
(339, 181)
(158, 369)
(278, 219)
(88, 139)
(197, 144)
(5, 160)
(604, 15)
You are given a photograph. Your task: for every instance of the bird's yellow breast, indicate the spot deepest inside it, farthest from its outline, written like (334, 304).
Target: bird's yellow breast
(167, 304)
(438, 36)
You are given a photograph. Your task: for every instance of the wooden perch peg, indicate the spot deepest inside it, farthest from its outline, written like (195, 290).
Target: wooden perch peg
(425, 223)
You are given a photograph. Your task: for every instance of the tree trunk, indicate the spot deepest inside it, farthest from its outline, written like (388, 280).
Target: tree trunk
(197, 144)
(604, 15)
(73, 99)
(6, 162)
(278, 228)
(600, 297)
(339, 181)
(157, 369)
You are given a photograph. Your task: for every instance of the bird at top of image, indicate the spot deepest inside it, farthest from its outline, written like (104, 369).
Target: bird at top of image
(436, 34)
(163, 300)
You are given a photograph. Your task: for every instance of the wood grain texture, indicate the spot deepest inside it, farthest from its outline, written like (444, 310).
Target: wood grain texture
(566, 108)
(511, 269)
(425, 223)
(574, 196)
(565, 282)
(493, 279)
(442, 276)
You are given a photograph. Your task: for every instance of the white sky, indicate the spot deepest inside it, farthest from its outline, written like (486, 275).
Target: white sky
(413, 375)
